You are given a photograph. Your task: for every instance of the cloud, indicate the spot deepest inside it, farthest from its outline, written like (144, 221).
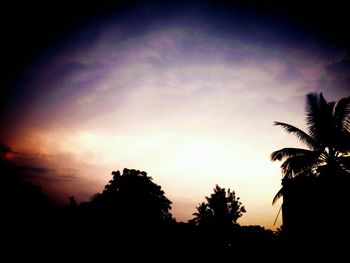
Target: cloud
(57, 175)
(69, 69)
(4, 148)
(33, 169)
(339, 73)
(340, 67)
(335, 80)
(176, 59)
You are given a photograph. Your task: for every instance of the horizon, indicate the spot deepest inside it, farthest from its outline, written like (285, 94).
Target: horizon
(187, 94)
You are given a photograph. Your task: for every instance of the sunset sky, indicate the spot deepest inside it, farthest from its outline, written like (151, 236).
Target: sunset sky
(186, 92)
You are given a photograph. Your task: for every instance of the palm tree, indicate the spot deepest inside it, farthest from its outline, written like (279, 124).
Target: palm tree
(327, 140)
(222, 208)
(204, 216)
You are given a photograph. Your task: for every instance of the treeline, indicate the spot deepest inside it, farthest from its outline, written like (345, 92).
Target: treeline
(132, 212)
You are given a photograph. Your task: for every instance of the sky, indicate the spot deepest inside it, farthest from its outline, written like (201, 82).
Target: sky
(186, 91)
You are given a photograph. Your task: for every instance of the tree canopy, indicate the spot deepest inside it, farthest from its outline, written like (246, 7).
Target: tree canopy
(133, 196)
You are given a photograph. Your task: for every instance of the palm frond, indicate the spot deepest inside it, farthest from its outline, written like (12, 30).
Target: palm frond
(342, 141)
(289, 152)
(302, 136)
(342, 114)
(277, 196)
(299, 164)
(319, 118)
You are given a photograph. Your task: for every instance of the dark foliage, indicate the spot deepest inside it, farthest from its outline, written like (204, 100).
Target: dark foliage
(315, 180)
(222, 208)
(132, 196)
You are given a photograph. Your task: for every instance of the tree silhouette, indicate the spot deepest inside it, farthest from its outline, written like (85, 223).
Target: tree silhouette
(133, 197)
(317, 177)
(222, 208)
(328, 140)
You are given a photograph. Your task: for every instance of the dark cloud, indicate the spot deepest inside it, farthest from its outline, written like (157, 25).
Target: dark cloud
(42, 170)
(337, 78)
(33, 169)
(290, 73)
(339, 68)
(58, 178)
(69, 69)
(4, 148)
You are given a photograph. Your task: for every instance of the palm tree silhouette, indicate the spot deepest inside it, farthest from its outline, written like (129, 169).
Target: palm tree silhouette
(315, 180)
(203, 216)
(222, 208)
(328, 142)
